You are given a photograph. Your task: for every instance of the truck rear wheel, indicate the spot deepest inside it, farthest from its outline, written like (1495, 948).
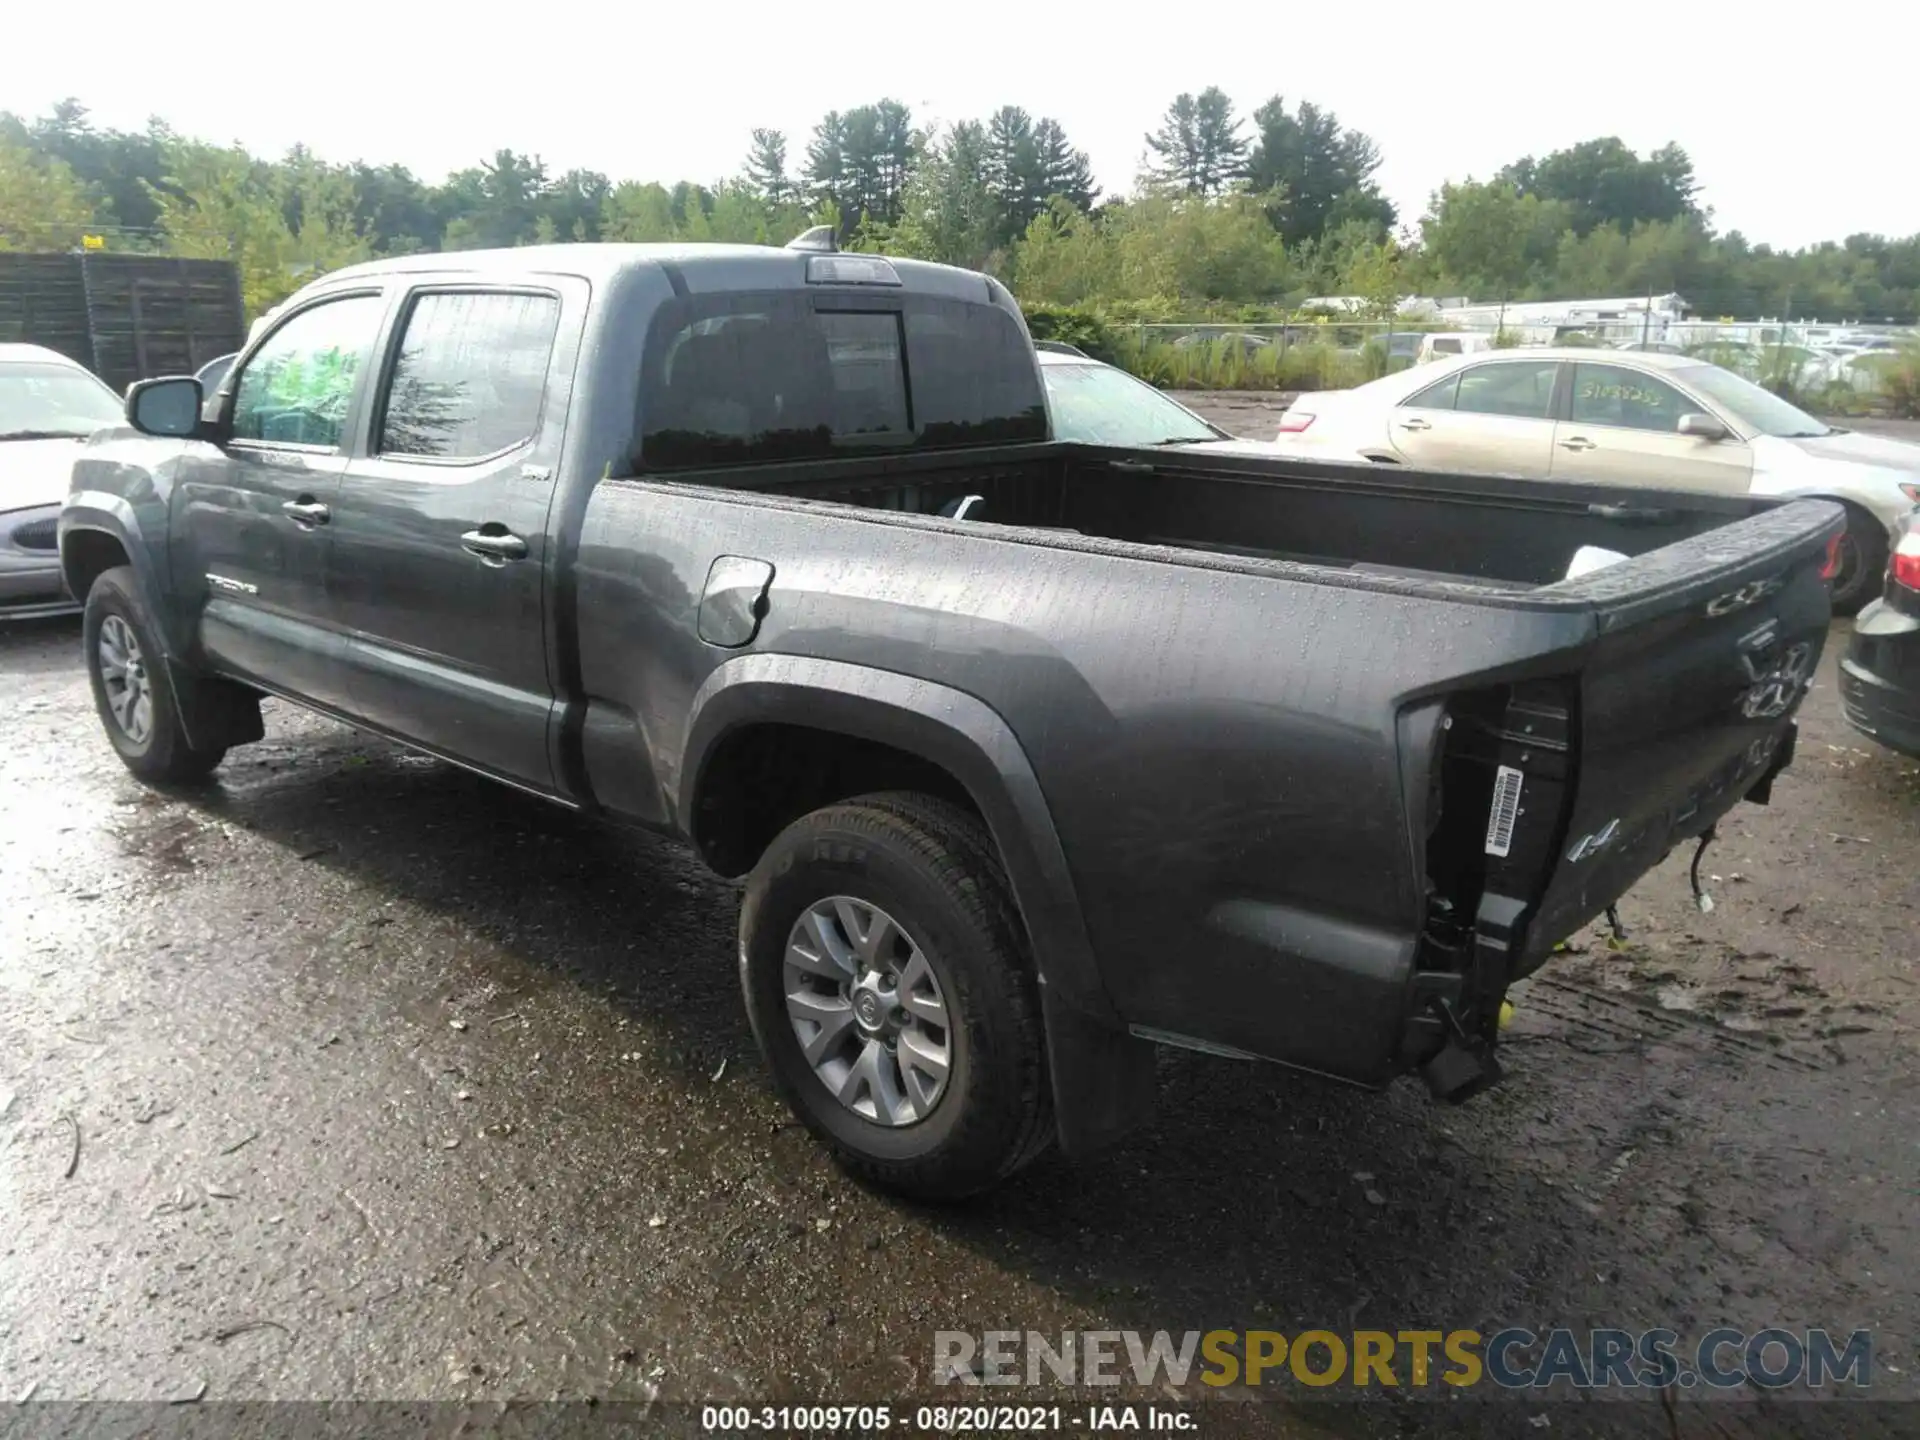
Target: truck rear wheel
(131, 687)
(888, 982)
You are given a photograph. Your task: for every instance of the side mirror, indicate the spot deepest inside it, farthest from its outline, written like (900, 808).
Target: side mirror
(169, 407)
(1702, 427)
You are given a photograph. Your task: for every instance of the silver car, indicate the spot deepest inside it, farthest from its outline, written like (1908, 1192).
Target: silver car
(1621, 417)
(48, 406)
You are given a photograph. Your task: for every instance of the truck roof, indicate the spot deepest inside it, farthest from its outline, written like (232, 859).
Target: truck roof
(703, 266)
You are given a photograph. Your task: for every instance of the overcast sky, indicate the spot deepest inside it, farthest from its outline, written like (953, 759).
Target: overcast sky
(1788, 145)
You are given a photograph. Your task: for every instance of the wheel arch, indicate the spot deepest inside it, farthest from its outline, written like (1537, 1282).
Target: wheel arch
(99, 530)
(949, 736)
(1103, 1077)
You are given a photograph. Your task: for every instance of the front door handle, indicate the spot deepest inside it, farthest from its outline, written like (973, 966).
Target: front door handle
(1415, 425)
(494, 543)
(306, 512)
(1578, 442)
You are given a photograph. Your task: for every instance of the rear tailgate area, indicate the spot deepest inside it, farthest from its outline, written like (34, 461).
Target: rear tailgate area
(1577, 784)
(1704, 651)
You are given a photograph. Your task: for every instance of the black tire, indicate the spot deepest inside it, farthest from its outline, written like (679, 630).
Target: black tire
(1863, 562)
(162, 752)
(933, 868)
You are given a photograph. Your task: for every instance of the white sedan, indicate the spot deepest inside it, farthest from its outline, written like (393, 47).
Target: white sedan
(48, 406)
(1627, 418)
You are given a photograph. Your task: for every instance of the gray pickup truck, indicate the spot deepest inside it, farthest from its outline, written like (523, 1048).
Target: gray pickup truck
(1032, 755)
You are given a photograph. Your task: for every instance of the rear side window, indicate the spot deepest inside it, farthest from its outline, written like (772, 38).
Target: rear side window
(1520, 388)
(470, 376)
(756, 378)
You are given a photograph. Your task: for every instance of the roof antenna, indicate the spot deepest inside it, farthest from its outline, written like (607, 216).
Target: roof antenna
(818, 237)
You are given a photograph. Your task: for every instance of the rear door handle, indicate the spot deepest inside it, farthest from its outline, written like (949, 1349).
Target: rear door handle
(1415, 425)
(306, 512)
(494, 543)
(1578, 442)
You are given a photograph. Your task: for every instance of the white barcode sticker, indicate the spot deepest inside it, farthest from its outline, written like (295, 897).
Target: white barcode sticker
(1506, 809)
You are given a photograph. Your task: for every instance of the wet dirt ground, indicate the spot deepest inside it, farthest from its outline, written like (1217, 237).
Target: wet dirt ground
(352, 1075)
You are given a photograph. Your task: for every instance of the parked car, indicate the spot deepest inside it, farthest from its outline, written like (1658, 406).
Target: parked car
(1096, 404)
(48, 405)
(1880, 673)
(1445, 346)
(1031, 755)
(1621, 418)
(1248, 342)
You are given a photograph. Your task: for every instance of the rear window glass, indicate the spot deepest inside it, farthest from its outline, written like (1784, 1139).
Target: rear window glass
(751, 379)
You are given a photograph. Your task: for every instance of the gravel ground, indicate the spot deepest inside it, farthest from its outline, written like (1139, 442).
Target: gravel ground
(351, 1075)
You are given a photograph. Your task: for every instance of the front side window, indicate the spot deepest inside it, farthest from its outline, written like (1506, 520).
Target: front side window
(471, 375)
(1522, 389)
(1628, 399)
(1760, 409)
(297, 385)
(750, 379)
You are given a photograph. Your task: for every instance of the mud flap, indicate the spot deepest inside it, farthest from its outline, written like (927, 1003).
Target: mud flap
(214, 712)
(1103, 1079)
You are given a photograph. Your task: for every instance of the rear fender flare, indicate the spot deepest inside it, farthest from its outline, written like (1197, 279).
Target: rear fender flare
(954, 730)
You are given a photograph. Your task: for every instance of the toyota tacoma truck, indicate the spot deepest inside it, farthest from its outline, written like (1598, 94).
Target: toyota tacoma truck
(1032, 756)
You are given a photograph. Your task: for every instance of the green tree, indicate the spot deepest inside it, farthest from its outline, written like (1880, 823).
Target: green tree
(1065, 258)
(1489, 240)
(394, 210)
(1321, 174)
(950, 212)
(42, 205)
(766, 168)
(1198, 147)
(1060, 170)
(115, 166)
(498, 202)
(1602, 182)
(642, 213)
(574, 204)
(828, 182)
(217, 203)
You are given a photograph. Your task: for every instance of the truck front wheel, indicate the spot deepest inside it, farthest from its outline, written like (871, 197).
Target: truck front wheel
(131, 688)
(888, 982)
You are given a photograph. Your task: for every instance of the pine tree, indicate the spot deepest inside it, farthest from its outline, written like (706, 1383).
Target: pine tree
(766, 167)
(1198, 147)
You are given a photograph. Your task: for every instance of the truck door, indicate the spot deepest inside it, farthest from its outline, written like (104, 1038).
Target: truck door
(440, 533)
(251, 524)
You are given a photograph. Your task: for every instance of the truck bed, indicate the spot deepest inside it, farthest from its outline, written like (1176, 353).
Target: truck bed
(1485, 532)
